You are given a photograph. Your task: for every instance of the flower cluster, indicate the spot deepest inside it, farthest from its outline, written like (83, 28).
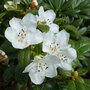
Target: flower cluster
(23, 33)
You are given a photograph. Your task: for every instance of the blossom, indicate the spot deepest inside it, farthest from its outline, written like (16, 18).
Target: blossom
(23, 32)
(11, 4)
(41, 67)
(48, 17)
(57, 44)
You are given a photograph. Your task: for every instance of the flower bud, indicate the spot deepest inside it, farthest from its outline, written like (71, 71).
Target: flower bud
(3, 58)
(74, 75)
(34, 4)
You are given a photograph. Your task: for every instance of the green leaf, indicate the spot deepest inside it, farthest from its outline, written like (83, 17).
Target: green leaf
(43, 28)
(83, 4)
(2, 14)
(24, 57)
(27, 2)
(60, 20)
(9, 73)
(84, 49)
(72, 12)
(38, 49)
(87, 84)
(82, 30)
(36, 87)
(71, 85)
(75, 63)
(40, 1)
(56, 4)
(77, 23)
(82, 71)
(50, 86)
(72, 43)
(7, 47)
(86, 11)
(21, 78)
(80, 79)
(1, 36)
(79, 84)
(72, 30)
(80, 44)
(67, 4)
(66, 73)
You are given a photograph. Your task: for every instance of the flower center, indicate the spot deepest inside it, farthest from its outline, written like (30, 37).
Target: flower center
(48, 21)
(42, 66)
(54, 47)
(63, 57)
(21, 35)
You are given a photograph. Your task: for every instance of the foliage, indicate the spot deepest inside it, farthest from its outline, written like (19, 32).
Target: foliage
(74, 17)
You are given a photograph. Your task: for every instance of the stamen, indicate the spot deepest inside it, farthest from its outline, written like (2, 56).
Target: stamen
(21, 35)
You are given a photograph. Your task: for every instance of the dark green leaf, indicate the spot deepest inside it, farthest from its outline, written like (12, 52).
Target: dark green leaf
(43, 28)
(67, 4)
(36, 87)
(21, 78)
(72, 30)
(84, 49)
(24, 57)
(9, 73)
(87, 84)
(71, 85)
(82, 71)
(66, 73)
(80, 44)
(79, 84)
(2, 14)
(82, 30)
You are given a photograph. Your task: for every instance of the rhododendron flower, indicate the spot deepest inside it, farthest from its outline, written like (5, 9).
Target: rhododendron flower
(41, 67)
(23, 32)
(57, 44)
(48, 17)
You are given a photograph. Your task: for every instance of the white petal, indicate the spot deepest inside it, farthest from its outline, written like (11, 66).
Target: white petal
(20, 45)
(51, 59)
(48, 39)
(30, 21)
(36, 77)
(10, 34)
(50, 14)
(63, 37)
(29, 67)
(35, 37)
(51, 71)
(54, 28)
(41, 13)
(70, 53)
(15, 23)
(65, 66)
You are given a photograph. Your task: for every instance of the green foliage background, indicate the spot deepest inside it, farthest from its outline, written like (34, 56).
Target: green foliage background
(74, 17)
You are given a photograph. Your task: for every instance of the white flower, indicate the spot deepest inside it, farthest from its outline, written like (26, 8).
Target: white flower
(66, 57)
(57, 44)
(23, 32)
(12, 4)
(41, 67)
(48, 17)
